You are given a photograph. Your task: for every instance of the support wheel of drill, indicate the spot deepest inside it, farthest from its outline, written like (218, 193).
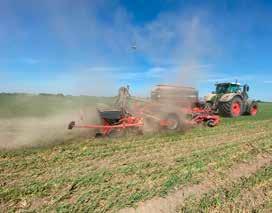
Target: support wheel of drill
(211, 123)
(116, 133)
(174, 123)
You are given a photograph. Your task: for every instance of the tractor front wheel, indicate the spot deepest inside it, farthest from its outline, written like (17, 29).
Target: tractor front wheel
(232, 108)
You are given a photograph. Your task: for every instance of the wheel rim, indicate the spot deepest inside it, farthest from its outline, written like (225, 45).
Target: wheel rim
(236, 109)
(253, 110)
(210, 123)
(172, 124)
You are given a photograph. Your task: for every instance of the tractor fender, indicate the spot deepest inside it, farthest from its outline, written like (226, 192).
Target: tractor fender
(229, 96)
(248, 104)
(209, 97)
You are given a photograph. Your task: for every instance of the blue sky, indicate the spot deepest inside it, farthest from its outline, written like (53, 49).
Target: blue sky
(84, 47)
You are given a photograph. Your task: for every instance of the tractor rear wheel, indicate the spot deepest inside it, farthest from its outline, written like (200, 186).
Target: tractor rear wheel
(232, 108)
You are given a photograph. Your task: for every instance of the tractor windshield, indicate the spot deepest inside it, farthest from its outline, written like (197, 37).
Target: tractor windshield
(227, 88)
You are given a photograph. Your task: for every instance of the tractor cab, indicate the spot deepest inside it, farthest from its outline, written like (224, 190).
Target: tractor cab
(224, 88)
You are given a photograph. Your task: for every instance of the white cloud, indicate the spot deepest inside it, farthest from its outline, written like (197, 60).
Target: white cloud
(174, 38)
(170, 38)
(155, 72)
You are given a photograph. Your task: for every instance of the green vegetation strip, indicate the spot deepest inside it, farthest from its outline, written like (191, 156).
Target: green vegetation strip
(103, 189)
(240, 196)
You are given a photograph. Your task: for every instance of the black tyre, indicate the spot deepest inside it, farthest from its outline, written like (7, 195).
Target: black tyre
(116, 133)
(252, 109)
(71, 125)
(211, 123)
(232, 108)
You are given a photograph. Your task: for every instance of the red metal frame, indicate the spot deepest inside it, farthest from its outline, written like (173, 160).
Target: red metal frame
(202, 115)
(106, 128)
(198, 116)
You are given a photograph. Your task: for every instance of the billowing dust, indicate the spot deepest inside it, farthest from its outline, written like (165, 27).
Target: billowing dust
(155, 112)
(50, 130)
(43, 131)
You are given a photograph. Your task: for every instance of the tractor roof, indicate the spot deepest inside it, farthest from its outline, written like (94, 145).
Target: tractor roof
(227, 83)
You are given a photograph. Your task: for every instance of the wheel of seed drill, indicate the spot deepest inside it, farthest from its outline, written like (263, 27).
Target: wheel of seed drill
(211, 123)
(173, 123)
(116, 133)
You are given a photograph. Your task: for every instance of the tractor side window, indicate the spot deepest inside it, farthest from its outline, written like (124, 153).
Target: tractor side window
(234, 88)
(218, 89)
(221, 89)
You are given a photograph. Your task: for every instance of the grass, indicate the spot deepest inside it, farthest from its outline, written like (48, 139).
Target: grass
(107, 175)
(253, 193)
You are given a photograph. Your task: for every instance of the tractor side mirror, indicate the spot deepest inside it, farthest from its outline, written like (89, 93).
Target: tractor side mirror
(246, 88)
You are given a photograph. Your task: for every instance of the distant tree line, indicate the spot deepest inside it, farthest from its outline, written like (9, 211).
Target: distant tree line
(31, 94)
(43, 94)
(49, 94)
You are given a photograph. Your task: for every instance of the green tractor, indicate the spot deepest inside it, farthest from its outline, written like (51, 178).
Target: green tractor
(231, 100)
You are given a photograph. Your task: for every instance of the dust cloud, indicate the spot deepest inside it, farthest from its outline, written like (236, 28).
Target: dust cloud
(28, 132)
